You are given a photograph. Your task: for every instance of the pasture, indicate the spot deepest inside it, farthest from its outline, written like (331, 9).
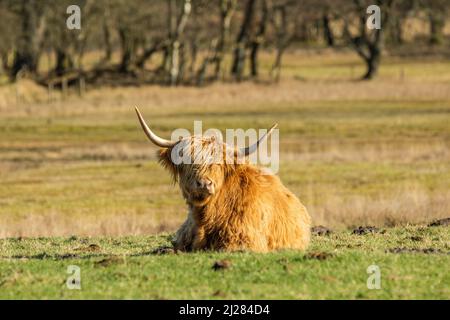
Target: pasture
(413, 263)
(80, 184)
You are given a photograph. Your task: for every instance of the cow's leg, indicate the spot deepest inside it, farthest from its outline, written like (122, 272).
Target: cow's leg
(200, 242)
(185, 235)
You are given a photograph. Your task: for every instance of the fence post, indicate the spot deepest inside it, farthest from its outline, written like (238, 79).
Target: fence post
(50, 91)
(16, 88)
(82, 86)
(64, 87)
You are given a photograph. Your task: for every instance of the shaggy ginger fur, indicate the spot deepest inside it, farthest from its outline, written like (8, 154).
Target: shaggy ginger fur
(245, 208)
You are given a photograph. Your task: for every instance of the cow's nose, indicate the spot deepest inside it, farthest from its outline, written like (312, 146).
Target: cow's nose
(204, 184)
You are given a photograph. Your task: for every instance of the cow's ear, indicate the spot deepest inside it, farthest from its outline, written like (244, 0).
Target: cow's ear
(164, 156)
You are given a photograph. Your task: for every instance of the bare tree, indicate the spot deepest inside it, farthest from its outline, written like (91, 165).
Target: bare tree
(8, 21)
(282, 36)
(198, 41)
(176, 25)
(242, 40)
(327, 32)
(436, 11)
(258, 38)
(227, 9)
(28, 47)
(368, 43)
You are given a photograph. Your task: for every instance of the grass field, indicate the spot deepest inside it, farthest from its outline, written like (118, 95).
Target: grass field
(335, 267)
(356, 153)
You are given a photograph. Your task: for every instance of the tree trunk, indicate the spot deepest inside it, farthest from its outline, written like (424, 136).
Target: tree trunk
(176, 29)
(241, 41)
(369, 44)
(107, 42)
(29, 41)
(208, 59)
(63, 62)
(283, 39)
(258, 39)
(4, 58)
(165, 60)
(372, 63)
(126, 44)
(397, 30)
(437, 23)
(327, 32)
(275, 72)
(174, 62)
(106, 30)
(194, 52)
(227, 8)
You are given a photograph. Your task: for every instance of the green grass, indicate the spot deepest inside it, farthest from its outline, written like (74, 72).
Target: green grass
(352, 120)
(125, 267)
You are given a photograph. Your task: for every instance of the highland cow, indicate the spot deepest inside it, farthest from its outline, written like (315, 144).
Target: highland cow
(233, 205)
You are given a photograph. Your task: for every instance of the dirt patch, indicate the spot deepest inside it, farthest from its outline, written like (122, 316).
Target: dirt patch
(319, 255)
(221, 265)
(68, 256)
(321, 231)
(362, 230)
(219, 294)
(108, 261)
(93, 247)
(440, 222)
(417, 250)
(416, 238)
(163, 250)
(90, 248)
(44, 256)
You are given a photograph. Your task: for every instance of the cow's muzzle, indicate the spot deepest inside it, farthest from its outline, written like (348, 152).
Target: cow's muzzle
(204, 186)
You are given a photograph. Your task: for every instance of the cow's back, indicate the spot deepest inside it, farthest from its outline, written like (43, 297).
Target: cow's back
(257, 212)
(288, 221)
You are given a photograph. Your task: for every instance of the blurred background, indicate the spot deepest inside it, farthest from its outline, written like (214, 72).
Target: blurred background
(364, 115)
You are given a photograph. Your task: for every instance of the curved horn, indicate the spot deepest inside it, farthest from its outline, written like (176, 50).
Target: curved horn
(160, 142)
(250, 149)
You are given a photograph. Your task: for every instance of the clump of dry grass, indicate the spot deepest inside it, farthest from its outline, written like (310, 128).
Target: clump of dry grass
(55, 224)
(374, 152)
(158, 99)
(22, 92)
(410, 204)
